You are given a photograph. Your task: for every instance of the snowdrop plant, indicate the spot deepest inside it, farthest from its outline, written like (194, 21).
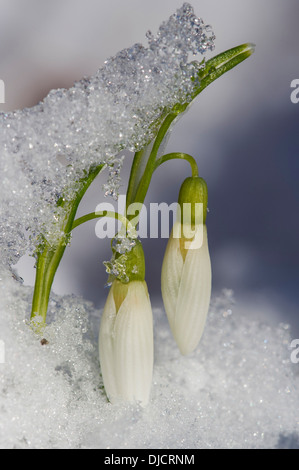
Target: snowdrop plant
(57, 149)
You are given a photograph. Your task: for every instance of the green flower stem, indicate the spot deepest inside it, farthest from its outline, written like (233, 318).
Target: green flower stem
(134, 176)
(145, 180)
(49, 256)
(46, 267)
(178, 156)
(96, 215)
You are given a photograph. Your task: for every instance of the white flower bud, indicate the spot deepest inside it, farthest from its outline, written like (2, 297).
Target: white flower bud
(126, 343)
(186, 288)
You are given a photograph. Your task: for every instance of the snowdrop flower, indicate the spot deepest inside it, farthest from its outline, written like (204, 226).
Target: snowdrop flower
(186, 270)
(126, 342)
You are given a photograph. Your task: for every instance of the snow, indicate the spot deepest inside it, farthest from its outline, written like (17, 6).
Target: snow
(50, 147)
(239, 389)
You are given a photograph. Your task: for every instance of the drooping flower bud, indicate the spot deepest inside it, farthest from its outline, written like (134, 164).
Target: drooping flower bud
(126, 338)
(193, 197)
(186, 270)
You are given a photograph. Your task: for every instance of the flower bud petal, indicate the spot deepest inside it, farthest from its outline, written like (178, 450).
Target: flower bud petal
(186, 291)
(126, 345)
(172, 269)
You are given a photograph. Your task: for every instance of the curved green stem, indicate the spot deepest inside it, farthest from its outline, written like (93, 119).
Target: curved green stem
(178, 156)
(96, 215)
(145, 180)
(134, 176)
(49, 256)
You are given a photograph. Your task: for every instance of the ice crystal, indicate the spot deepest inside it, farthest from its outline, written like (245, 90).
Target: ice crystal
(45, 150)
(123, 245)
(111, 187)
(116, 267)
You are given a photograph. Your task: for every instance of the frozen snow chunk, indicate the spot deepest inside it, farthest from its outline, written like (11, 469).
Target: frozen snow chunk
(237, 390)
(45, 150)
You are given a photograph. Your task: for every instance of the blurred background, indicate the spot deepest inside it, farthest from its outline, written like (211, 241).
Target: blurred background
(243, 131)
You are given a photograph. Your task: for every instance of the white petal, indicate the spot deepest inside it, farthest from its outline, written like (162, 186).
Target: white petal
(126, 346)
(134, 345)
(106, 346)
(171, 274)
(193, 297)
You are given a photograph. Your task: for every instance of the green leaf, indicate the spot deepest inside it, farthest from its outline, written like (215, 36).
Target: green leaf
(222, 63)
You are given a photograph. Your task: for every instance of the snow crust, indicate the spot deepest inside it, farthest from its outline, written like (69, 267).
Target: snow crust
(47, 149)
(239, 389)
